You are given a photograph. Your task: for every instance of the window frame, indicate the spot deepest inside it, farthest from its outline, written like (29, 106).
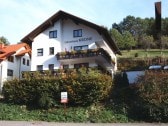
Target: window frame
(51, 66)
(10, 72)
(28, 62)
(79, 65)
(40, 52)
(51, 50)
(81, 47)
(77, 33)
(11, 59)
(23, 61)
(38, 66)
(66, 66)
(53, 34)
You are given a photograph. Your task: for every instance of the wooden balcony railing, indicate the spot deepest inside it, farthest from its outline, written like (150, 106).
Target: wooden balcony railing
(84, 54)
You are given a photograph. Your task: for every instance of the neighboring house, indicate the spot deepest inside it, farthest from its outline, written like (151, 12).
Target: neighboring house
(67, 41)
(13, 60)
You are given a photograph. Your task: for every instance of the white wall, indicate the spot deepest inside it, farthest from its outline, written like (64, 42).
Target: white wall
(17, 67)
(87, 32)
(43, 41)
(3, 73)
(64, 41)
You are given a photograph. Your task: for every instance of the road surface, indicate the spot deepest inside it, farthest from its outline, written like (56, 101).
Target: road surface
(39, 123)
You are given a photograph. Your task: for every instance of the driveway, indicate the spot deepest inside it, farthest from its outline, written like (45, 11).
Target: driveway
(36, 123)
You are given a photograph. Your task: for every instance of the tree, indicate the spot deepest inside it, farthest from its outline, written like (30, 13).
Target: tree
(117, 37)
(125, 80)
(164, 26)
(164, 42)
(147, 42)
(4, 40)
(129, 40)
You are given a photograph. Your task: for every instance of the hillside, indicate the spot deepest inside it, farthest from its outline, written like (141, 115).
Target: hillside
(141, 59)
(152, 53)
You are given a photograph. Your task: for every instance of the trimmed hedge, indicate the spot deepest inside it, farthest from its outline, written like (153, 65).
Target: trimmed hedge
(84, 88)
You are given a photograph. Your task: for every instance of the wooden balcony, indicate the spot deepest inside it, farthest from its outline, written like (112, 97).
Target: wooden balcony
(84, 54)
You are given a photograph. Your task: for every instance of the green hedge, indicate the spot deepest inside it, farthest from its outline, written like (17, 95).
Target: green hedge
(132, 64)
(83, 89)
(147, 100)
(152, 90)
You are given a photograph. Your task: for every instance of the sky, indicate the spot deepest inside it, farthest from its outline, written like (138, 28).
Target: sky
(20, 17)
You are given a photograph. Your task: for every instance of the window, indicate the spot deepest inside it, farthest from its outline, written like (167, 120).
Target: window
(11, 59)
(39, 67)
(24, 61)
(51, 66)
(77, 33)
(53, 34)
(10, 72)
(81, 65)
(51, 51)
(84, 47)
(65, 66)
(40, 52)
(28, 62)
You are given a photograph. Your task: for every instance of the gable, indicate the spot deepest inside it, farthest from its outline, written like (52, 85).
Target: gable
(60, 15)
(9, 50)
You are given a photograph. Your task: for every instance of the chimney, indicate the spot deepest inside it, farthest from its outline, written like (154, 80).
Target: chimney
(158, 23)
(158, 15)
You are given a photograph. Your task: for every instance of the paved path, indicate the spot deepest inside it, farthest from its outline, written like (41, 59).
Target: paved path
(36, 123)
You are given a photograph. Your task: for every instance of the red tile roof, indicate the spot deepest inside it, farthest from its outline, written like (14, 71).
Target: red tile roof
(6, 51)
(22, 53)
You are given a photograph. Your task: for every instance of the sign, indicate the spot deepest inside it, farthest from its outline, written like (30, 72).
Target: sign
(79, 40)
(64, 97)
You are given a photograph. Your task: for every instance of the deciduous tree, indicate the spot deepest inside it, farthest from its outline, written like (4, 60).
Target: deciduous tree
(4, 40)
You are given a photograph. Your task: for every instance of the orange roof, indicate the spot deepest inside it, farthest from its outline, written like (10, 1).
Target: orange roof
(9, 50)
(21, 53)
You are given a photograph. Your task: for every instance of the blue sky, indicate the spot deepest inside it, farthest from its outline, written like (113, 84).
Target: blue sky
(19, 17)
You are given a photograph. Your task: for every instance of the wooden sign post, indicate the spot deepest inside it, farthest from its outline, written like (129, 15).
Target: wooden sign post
(64, 99)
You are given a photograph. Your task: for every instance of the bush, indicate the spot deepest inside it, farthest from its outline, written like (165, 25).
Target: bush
(147, 100)
(136, 55)
(45, 101)
(152, 100)
(132, 64)
(83, 89)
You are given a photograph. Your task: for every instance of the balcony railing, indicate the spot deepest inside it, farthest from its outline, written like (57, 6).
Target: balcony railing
(84, 54)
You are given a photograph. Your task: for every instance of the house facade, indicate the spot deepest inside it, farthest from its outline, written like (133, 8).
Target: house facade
(13, 60)
(67, 41)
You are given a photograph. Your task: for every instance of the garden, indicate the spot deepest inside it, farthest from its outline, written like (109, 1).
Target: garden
(92, 97)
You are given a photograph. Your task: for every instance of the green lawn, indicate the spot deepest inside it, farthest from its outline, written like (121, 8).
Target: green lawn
(144, 54)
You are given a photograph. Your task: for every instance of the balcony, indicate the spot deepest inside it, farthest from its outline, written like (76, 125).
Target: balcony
(90, 53)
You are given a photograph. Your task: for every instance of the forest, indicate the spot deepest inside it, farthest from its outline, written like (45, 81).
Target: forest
(137, 33)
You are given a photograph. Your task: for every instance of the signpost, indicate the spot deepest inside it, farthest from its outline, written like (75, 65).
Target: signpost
(64, 99)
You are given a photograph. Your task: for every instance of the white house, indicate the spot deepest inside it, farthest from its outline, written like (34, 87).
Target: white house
(13, 60)
(61, 40)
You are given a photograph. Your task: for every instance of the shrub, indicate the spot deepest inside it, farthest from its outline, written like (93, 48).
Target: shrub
(152, 100)
(45, 101)
(147, 100)
(84, 88)
(136, 55)
(132, 64)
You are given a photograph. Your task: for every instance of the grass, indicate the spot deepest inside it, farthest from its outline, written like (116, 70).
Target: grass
(144, 54)
(73, 114)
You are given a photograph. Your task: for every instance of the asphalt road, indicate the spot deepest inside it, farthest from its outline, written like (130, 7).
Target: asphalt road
(36, 123)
